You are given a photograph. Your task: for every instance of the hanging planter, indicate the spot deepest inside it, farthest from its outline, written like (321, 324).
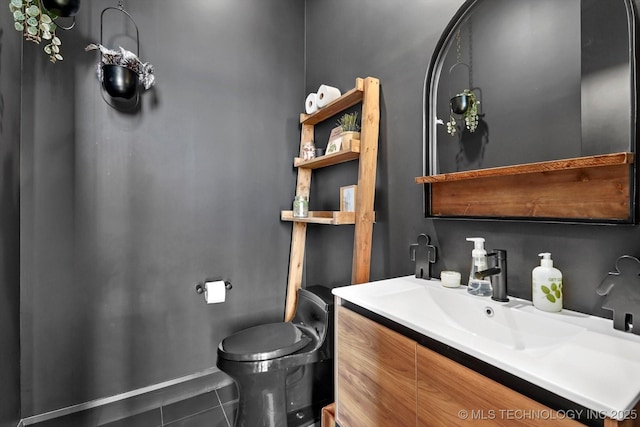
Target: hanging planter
(121, 72)
(63, 8)
(461, 103)
(464, 104)
(119, 81)
(35, 20)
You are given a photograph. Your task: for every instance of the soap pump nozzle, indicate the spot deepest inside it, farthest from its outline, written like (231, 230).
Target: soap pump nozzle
(545, 260)
(478, 247)
(475, 285)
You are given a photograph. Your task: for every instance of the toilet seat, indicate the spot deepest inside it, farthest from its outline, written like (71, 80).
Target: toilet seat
(263, 342)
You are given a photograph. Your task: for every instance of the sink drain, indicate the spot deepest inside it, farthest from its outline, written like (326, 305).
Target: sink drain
(488, 311)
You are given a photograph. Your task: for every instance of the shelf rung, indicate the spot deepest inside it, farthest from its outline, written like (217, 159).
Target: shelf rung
(345, 101)
(322, 217)
(550, 166)
(331, 159)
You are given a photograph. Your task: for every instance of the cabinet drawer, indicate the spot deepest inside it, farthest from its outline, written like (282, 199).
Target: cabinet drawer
(376, 374)
(453, 395)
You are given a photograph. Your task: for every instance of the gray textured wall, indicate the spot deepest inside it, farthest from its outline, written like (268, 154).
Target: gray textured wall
(527, 107)
(582, 100)
(9, 221)
(122, 214)
(394, 42)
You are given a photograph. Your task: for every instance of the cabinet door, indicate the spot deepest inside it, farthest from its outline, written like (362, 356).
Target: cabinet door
(376, 377)
(453, 395)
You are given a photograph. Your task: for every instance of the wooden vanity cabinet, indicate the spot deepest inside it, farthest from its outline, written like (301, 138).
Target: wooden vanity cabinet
(384, 378)
(453, 395)
(375, 373)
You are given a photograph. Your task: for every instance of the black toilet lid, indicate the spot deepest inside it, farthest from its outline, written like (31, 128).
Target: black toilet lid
(263, 342)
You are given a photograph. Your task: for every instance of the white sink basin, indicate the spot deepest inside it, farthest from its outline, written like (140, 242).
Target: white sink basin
(574, 355)
(503, 323)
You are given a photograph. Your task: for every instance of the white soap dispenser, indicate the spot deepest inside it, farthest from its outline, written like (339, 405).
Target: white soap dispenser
(546, 285)
(476, 286)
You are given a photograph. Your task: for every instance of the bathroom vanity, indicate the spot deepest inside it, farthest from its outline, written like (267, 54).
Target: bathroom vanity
(411, 352)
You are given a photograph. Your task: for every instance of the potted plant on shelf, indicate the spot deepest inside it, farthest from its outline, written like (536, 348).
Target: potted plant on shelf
(350, 126)
(349, 130)
(464, 104)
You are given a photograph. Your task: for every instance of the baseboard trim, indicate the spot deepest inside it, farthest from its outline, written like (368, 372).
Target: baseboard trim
(114, 408)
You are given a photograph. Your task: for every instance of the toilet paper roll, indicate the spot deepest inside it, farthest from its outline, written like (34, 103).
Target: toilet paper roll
(327, 94)
(311, 103)
(215, 292)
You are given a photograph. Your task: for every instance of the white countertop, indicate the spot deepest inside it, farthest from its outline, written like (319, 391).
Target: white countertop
(581, 358)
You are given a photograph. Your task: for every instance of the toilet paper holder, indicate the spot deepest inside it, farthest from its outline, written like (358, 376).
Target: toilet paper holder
(200, 286)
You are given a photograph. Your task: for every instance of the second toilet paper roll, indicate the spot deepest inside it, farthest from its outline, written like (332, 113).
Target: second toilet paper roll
(327, 94)
(311, 103)
(215, 292)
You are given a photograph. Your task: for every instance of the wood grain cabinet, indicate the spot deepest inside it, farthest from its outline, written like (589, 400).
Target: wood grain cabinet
(450, 394)
(385, 379)
(375, 374)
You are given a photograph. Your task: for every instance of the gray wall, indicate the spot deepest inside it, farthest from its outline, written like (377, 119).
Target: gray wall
(9, 221)
(394, 42)
(122, 214)
(527, 107)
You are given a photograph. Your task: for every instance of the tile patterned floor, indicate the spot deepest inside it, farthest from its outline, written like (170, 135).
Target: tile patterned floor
(213, 409)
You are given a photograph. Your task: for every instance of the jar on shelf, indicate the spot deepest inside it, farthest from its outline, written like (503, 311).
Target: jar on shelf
(300, 207)
(308, 150)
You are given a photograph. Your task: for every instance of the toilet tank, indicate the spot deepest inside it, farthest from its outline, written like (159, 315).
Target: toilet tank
(315, 310)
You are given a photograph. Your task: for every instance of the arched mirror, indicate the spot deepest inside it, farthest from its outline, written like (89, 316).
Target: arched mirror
(530, 112)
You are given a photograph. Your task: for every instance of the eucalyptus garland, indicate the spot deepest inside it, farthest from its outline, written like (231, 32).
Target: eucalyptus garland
(36, 25)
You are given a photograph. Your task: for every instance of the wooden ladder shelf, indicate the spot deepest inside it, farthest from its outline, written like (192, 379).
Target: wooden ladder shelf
(366, 91)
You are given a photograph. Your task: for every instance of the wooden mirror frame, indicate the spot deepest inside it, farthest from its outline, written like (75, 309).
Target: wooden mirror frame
(592, 189)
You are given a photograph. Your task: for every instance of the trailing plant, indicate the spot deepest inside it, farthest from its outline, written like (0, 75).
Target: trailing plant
(470, 114)
(123, 58)
(349, 122)
(36, 24)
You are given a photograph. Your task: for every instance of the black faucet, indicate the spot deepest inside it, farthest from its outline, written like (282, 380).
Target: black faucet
(499, 275)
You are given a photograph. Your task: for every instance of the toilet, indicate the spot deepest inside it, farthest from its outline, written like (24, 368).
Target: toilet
(284, 370)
